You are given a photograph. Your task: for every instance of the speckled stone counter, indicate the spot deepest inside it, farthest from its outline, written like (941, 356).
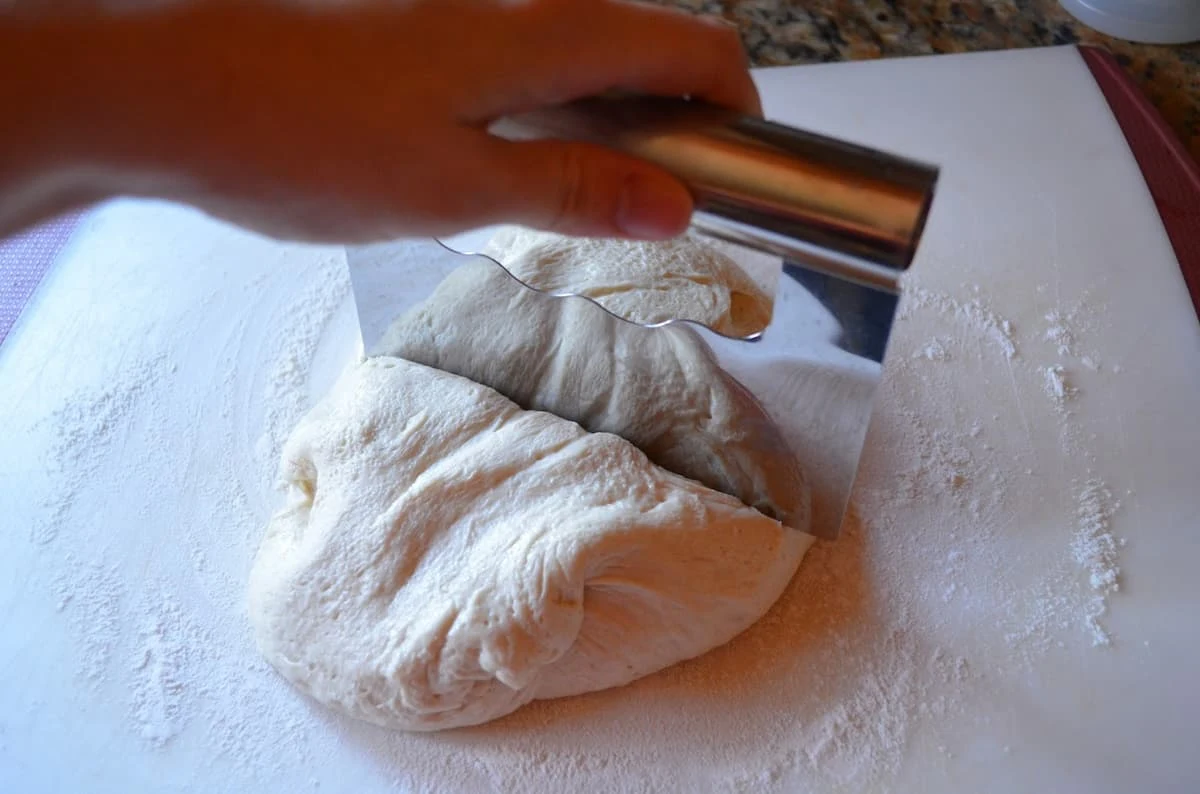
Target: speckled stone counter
(778, 32)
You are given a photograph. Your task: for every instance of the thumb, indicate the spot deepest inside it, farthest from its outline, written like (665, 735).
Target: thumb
(585, 190)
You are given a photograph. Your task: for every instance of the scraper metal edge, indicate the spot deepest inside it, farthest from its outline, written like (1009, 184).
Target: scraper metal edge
(846, 219)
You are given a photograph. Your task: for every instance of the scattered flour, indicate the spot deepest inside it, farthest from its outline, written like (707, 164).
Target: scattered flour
(84, 427)
(1060, 334)
(161, 676)
(1036, 617)
(935, 350)
(91, 594)
(973, 313)
(1066, 325)
(1094, 546)
(306, 320)
(246, 726)
(1058, 386)
(825, 693)
(154, 645)
(1096, 551)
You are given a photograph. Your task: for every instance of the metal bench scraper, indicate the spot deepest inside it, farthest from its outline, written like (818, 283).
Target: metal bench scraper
(844, 222)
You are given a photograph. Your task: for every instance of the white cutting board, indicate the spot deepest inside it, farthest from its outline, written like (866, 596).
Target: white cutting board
(939, 647)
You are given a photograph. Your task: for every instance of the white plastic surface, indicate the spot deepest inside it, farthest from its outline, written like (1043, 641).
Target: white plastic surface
(1040, 204)
(1147, 21)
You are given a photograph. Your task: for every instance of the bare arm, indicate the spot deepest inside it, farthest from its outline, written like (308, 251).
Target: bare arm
(348, 122)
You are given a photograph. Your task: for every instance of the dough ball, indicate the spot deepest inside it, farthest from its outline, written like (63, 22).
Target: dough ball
(660, 388)
(685, 278)
(445, 557)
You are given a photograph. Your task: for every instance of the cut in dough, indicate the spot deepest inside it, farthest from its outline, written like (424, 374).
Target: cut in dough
(660, 388)
(445, 557)
(647, 282)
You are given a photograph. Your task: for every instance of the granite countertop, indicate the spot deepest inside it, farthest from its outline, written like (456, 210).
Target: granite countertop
(778, 32)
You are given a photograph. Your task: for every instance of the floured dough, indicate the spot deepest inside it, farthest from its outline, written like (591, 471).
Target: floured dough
(660, 388)
(685, 278)
(445, 557)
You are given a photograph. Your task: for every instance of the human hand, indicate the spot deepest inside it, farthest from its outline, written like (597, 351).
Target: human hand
(367, 121)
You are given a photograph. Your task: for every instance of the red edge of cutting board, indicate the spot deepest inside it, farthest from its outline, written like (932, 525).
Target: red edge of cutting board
(1171, 175)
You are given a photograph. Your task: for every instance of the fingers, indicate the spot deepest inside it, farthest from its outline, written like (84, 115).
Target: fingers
(570, 51)
(582, 190)
(662, 51)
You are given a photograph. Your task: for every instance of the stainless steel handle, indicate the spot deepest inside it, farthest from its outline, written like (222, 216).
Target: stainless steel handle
(845, 210)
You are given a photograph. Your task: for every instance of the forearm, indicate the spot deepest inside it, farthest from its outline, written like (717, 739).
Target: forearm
(45, 165)
(344, 121)
(92, 106)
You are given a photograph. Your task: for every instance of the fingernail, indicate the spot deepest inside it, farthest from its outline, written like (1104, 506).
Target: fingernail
(653, 207)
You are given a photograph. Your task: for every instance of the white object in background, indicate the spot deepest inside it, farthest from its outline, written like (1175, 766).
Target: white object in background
(1146, 21)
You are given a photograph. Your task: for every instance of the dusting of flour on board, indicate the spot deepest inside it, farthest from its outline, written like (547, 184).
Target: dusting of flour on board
(286, 393)
(1096, 550)
(853, 671)
(1055, 355)
(86, 424)
(162, 637)
(166, 649)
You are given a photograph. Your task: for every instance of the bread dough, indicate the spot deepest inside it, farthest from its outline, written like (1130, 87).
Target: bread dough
(647, 282)
(445, 557)
(660, 388)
